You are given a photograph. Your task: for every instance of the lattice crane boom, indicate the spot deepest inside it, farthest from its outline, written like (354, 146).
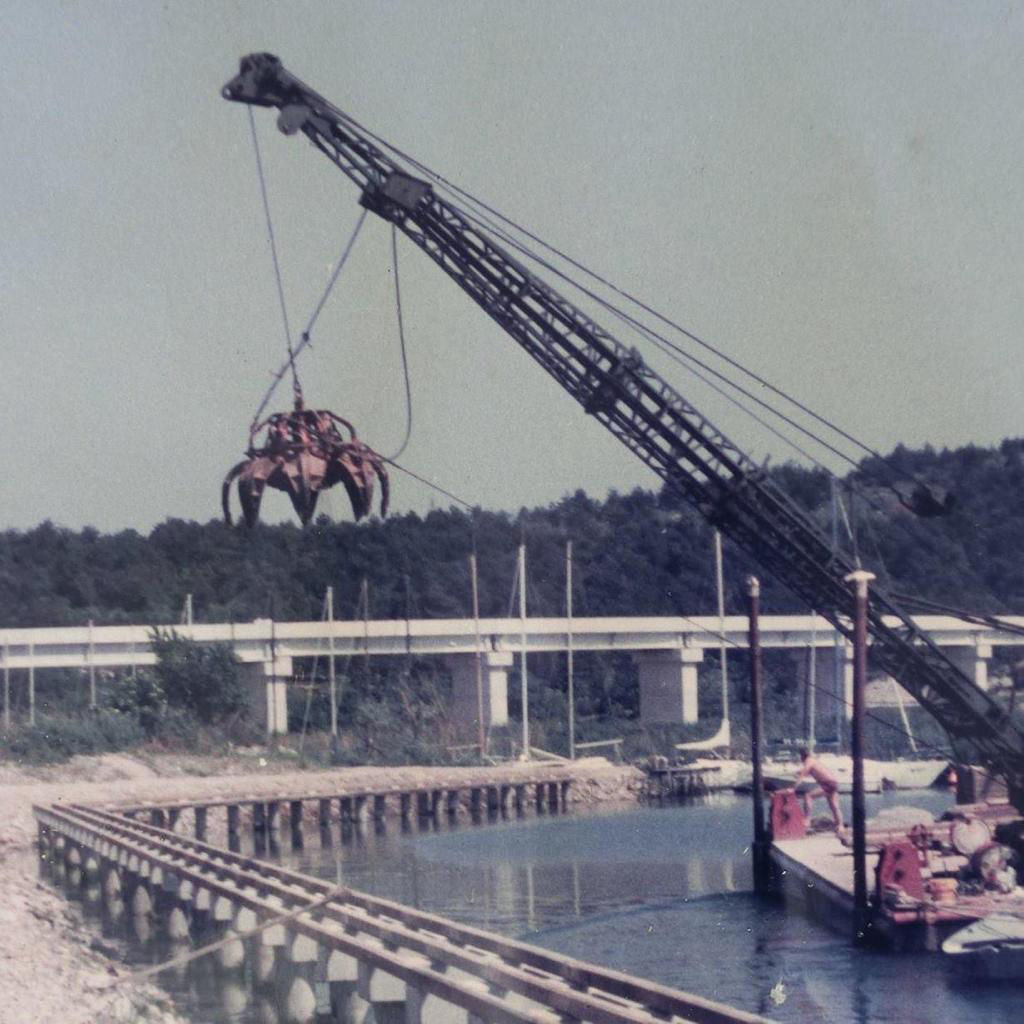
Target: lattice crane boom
(612, 383)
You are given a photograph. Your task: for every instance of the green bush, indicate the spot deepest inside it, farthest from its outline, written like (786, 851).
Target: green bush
(202, 679)
(141, 697)
(54, 739)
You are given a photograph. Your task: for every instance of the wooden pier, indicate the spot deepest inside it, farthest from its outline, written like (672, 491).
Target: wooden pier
(379, 960)
(674, 780)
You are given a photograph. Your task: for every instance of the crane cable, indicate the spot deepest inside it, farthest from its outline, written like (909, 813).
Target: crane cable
(296, 387)
(401, 341)
(305, 338)
(455, 189)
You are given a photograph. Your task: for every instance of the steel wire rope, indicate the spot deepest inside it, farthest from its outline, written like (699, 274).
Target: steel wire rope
(478, 219)
(678, 356)
(312, 681)
(457, 190)
(684, 359)
(273, 250)
(401, 340)
(305, 338)
(644, 329)
(894, 475)
(674, 352)
(431, 484)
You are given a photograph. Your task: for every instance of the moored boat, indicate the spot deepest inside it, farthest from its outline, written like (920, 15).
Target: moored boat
(991, 948)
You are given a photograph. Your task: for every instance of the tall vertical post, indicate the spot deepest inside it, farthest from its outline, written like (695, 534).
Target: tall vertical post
(188, 609)
(331, 678)
(524, 689)
(860, 580)
(838, 648)
(31, 683)
(759, 847)
(7, 684)
(812, 683)
(92, 669)
(272, 717)
(722, 646)
(481, 726)
(364, 598)
(569, 651)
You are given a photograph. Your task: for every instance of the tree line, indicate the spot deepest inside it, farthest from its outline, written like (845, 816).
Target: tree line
(637, 553)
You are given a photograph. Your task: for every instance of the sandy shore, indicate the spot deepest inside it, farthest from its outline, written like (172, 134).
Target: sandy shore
(49, 971)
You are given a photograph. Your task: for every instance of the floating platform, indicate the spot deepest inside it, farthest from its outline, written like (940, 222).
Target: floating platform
(815, 873)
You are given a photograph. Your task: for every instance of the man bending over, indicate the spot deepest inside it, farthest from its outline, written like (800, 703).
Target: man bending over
(827, 786)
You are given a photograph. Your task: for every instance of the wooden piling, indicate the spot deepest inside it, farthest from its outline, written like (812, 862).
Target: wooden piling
(759, 848)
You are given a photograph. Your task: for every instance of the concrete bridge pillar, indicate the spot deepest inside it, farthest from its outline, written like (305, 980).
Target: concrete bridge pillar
(830, 691)
(266, 684)
(668, 684)
(972, 661)
(464, 696)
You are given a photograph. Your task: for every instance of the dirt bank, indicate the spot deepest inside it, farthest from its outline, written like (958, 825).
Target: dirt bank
(49, 972)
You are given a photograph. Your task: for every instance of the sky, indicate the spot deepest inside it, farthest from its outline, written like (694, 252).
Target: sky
(829, 192)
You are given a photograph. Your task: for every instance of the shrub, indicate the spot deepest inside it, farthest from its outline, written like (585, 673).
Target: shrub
(54, 739)
(203, 679)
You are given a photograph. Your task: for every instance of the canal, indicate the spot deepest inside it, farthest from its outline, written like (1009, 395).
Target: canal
(660, 892)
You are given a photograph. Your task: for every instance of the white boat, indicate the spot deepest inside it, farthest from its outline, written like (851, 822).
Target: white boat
(779, 773)
(912, 774)
(992, 948)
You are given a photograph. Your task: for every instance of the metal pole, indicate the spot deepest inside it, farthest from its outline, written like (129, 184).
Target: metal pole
(92, 670)
(522, 652)
(7, 684)
(838, 650)
(860, 580)
(31, 683)
(759, 848)
(569, 650)
(364, 597)
(332, 679)
(272, 717)
(812, 683)
(720, 588)
(480, 725)
(188, 609)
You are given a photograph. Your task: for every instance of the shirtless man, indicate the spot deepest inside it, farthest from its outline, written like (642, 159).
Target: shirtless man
(827, 787)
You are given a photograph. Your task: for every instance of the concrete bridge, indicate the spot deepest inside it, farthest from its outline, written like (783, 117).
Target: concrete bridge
(668, 650)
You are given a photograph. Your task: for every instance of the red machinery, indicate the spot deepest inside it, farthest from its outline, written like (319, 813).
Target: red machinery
(303, 453)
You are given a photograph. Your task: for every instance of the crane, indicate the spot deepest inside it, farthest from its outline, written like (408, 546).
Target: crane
(614, 385)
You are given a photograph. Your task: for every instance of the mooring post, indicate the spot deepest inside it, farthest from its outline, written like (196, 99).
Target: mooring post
(759, 848)
(232, 824)
(860, 580)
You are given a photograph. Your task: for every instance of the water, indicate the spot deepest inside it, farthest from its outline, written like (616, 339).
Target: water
(664, 893)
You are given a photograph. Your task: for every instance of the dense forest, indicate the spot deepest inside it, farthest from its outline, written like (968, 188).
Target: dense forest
(636, 553)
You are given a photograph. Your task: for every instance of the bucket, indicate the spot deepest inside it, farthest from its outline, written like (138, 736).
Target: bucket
(943, 890)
